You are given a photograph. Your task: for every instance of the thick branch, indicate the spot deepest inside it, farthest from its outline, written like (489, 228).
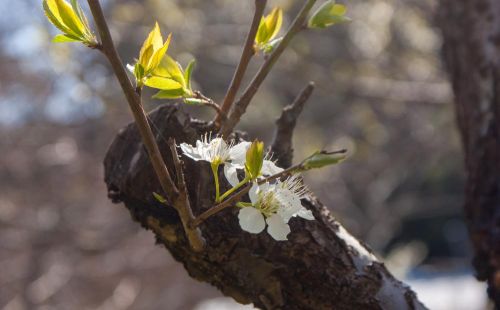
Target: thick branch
(241, 105)
(321, 266)
(471, 52)
(246, 56)
(282, 147)
(134, 101)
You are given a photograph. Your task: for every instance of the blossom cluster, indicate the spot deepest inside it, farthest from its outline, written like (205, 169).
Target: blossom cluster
(273, 203)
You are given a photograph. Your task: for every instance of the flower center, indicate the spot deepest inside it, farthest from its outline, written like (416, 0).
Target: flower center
(268, 204)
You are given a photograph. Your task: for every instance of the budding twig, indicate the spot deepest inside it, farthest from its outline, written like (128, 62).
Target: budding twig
(246, 56)
(241, 105)
(181, 203)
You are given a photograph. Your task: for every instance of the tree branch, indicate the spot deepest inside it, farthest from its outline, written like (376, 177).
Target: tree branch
(321, 266)
(246, 56)
(282, 147)
(133, 98)
(241, 105)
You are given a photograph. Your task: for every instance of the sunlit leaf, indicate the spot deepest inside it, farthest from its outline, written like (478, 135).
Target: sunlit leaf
(274, 22)
(169, 94)
(159, 54)
(52, 13)
(162, 83)
(169, 68)
(188, 73)
(269, 27)
(328, 14)
(69, 18)
(153, 40)
(61, 38)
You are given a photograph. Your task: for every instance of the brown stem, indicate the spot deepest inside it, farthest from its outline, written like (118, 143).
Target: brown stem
(182, 204)
(246, 56)
(241, 105)
(134, 101)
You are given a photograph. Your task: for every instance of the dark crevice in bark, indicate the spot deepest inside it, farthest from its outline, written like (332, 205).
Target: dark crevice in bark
(320, 267)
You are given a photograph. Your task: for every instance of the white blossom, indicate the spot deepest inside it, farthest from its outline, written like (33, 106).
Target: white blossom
(275, 204)
(215, 151)
(238, 159)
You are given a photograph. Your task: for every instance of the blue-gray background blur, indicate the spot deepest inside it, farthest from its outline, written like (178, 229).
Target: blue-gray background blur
(381, 92)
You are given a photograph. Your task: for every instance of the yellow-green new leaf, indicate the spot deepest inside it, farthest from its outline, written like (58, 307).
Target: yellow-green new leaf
(254, 159)
(269, 27)
(189, 72)
(148, 45)
(169, 68)
(170, 94)
(328, 14)
(61, 38)
(162, 83)
(70, 19)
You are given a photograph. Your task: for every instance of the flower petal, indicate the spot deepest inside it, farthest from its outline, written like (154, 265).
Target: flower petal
(251, 220)
(191, 152)
(305, 214)
(252, 193)
(231, 174)
(270, 168)
(277, 228)
(238, 153)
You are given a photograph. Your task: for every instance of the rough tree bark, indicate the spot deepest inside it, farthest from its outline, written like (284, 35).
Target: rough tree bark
(471, 51)
(321, 266)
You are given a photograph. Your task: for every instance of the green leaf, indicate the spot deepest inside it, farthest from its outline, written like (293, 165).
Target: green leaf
(269, 27)
(162, 83)
(69, 18)
(52, 13)
(254, 159)
(160, 198)
(328, 14)
(321, 159)
(159, 54)
(188, 72)
(170, 94)
(271, 46)
(153, 42)
(138, 71)
(60, 38)
(262, 32)
(81, 16)
(169, 68)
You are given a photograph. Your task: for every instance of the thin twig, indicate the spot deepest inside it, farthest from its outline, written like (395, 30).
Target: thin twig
(241, 105)
(181, 183)
(246, 56)
(282, 148)
(181, 203)
(210, 103)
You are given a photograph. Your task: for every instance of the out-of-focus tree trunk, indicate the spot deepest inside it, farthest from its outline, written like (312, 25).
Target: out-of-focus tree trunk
(321, 266)
(471, 51)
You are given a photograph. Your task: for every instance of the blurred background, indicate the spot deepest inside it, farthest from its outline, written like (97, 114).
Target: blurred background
(381, 93)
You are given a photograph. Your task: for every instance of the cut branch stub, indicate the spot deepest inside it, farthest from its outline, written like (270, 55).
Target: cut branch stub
(282, 147)
(321, 266)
